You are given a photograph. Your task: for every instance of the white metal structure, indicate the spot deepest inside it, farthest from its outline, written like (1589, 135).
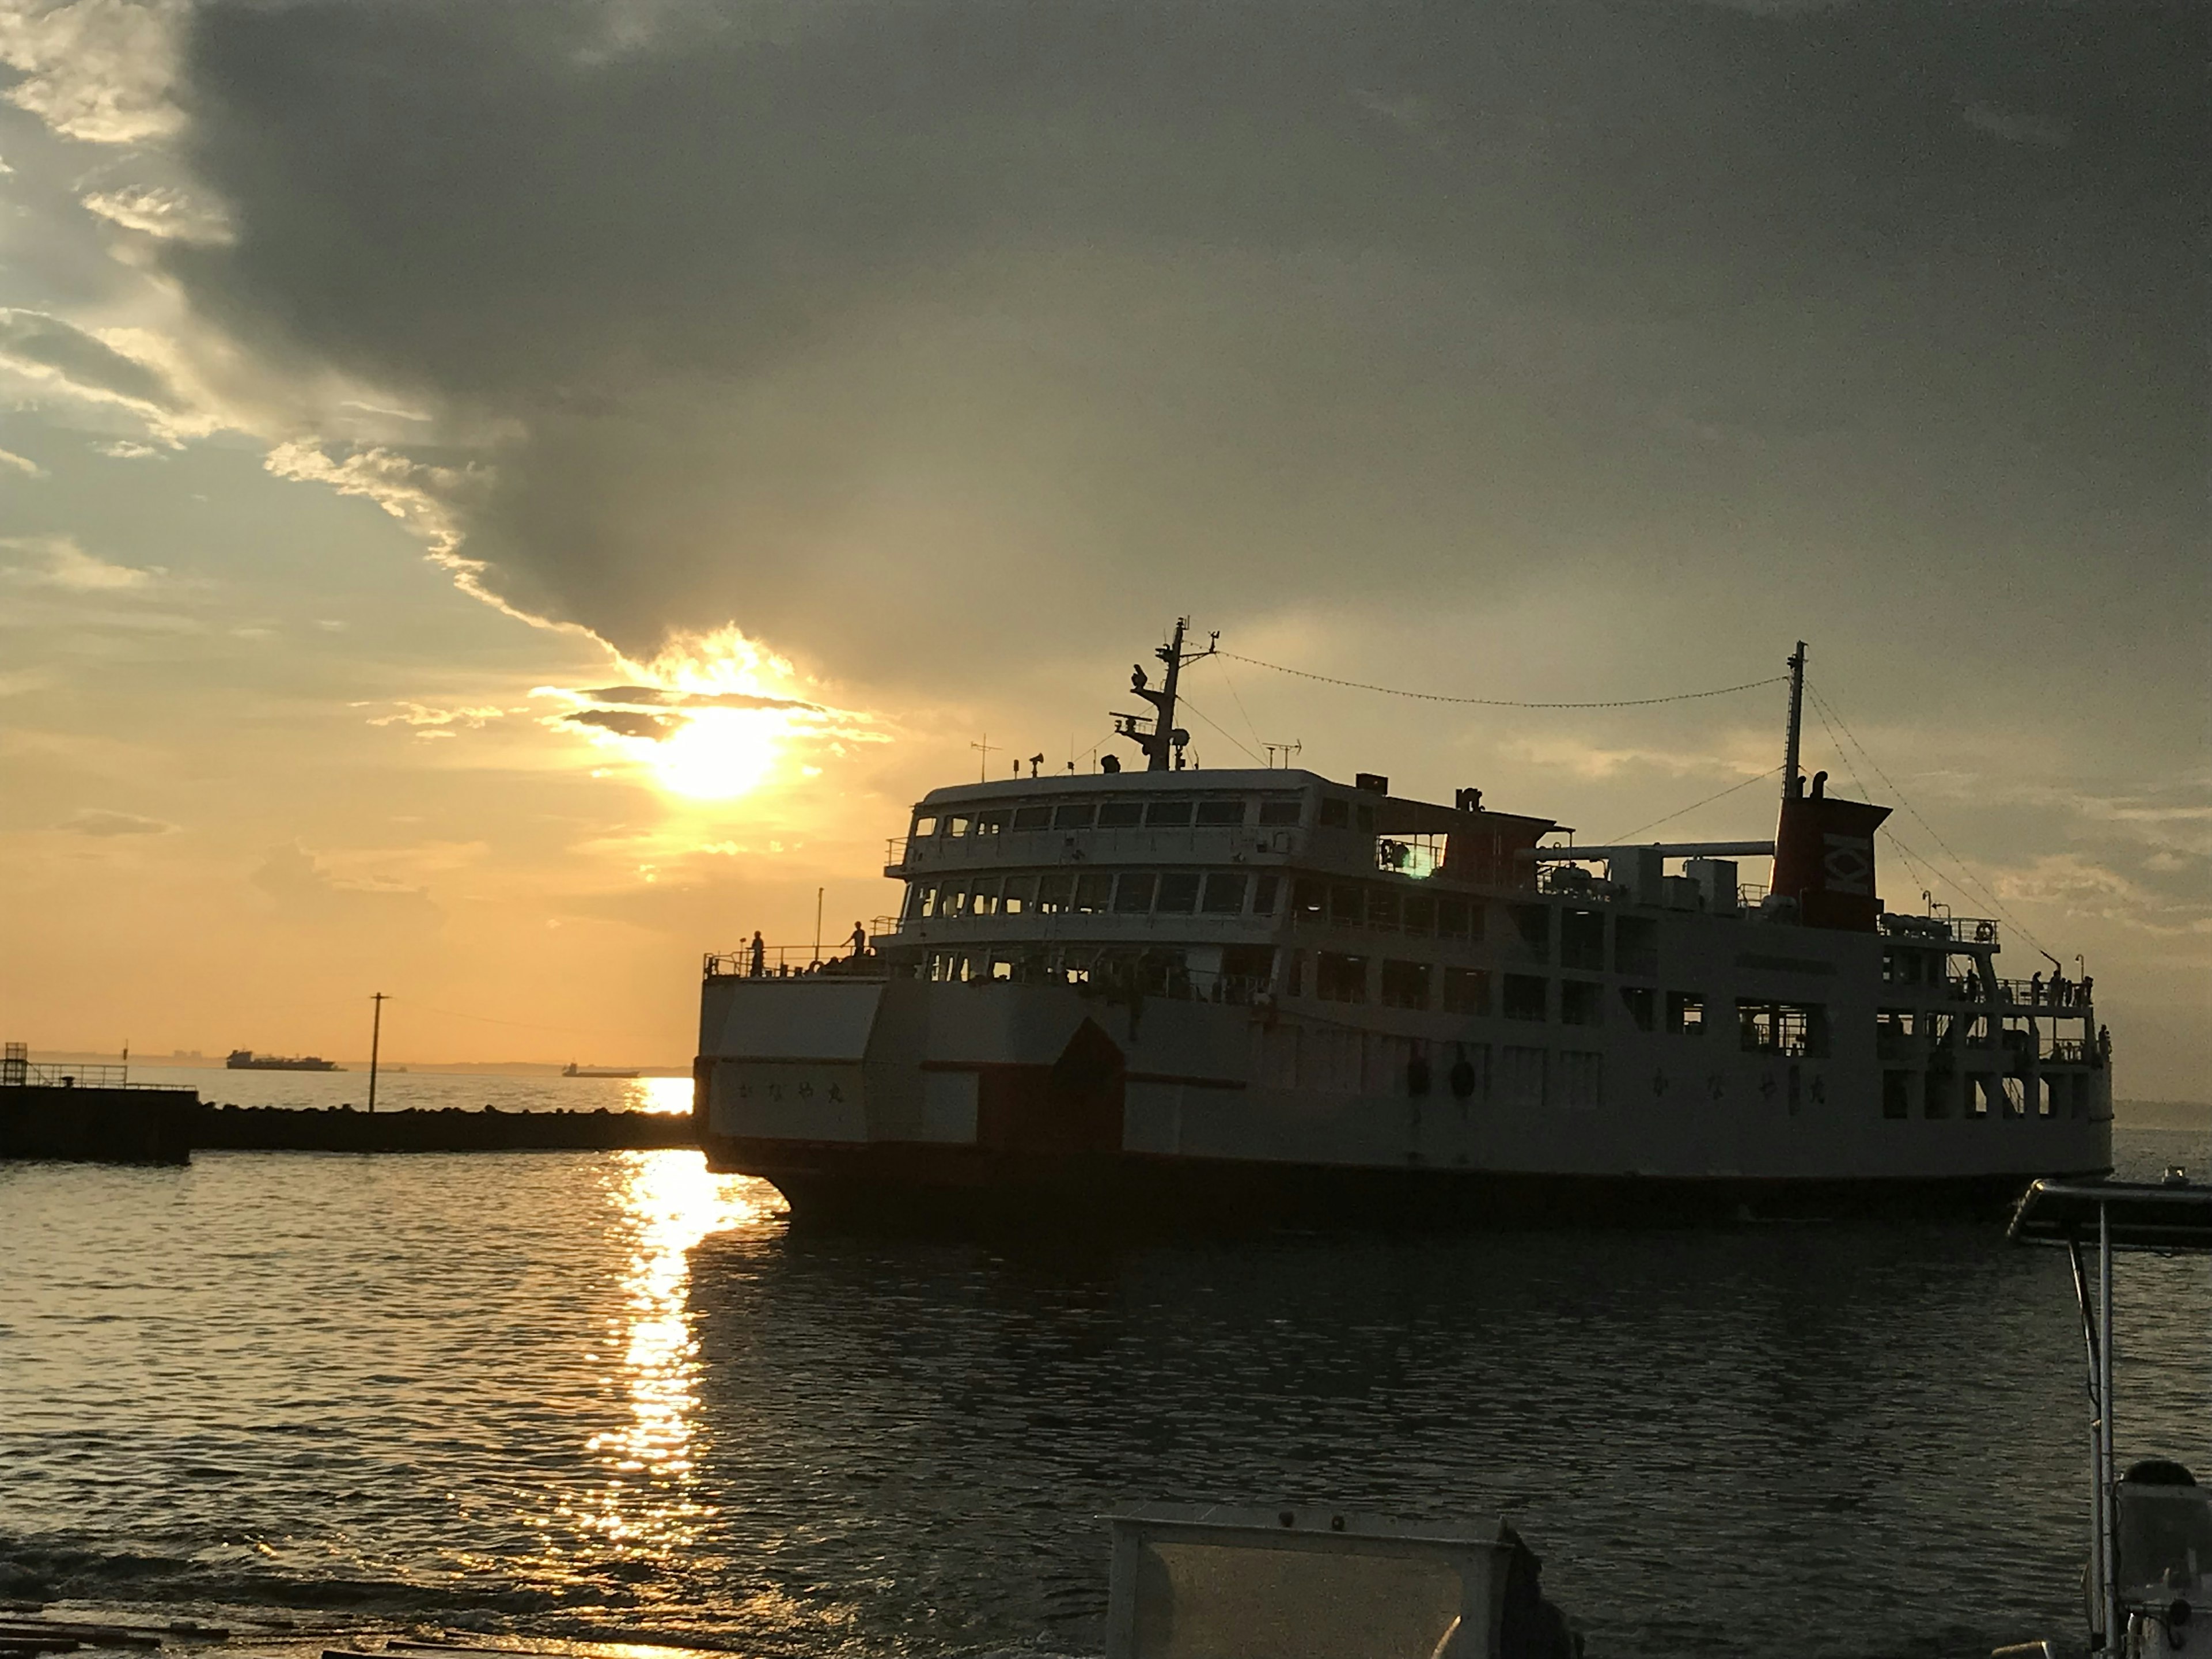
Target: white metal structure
(2150, 1529)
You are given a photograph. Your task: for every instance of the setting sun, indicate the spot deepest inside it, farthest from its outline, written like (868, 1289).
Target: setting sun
(718, 754)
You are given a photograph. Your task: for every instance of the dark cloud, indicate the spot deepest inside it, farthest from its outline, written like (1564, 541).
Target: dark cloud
(658, 696)
(629, 723)
(32, 336)
(920, 333)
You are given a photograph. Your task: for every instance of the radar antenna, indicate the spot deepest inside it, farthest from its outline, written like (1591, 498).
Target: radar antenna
(1163, 744)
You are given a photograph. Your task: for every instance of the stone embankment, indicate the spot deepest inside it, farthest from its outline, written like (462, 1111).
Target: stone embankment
(343, 1129)
(166, 1125)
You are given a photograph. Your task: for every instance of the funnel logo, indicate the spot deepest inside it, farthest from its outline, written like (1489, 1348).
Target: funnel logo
(1848, 865)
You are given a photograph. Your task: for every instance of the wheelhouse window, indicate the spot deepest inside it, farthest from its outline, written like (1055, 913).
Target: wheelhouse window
(1582, 940)
(1020, 895)
(1466, 991)
(983, 896)
(1178, 895)
(1405, 984)
(993, 823)
(1055, 892)
(1635, 946)
(1120, 815)
(1076, 817)
(1225, 895)
(958, 823)
(918, 896)
(1339, 978)
(925, 823)
(1219, 812)
(1168, 815)
(1686, 1013)
(1277, 813)
(1133, 894)
(1033, 818)
(1534, 923)
(1094, 895)
(1641, 1003)
(1525, 997)
(1335, 812)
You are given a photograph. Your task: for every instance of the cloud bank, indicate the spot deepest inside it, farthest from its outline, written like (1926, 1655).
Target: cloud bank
(891, 332)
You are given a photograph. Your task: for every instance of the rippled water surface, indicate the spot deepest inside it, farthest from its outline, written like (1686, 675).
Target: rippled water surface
(591, 1393)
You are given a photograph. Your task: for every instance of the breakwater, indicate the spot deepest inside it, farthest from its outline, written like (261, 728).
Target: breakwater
(107, 1126)
(452, 1129)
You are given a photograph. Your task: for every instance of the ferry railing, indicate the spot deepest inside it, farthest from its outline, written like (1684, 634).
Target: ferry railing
(1961, 930)
(76, 1074)
(832, 959)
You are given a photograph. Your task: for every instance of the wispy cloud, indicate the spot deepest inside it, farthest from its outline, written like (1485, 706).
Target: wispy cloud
(64, 564)
(100, 822)
(22, 464)
(51, 349)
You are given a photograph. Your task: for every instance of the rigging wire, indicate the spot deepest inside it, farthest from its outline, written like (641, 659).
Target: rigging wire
(1506, 702)
(1747, 783)
(1186, 703)
(1826, 710)
(1241, 709)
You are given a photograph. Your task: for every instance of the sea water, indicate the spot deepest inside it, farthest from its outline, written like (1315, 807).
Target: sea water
(612, 1394)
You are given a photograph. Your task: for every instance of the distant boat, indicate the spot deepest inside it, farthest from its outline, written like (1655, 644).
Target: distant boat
(574, 1069)
(245, 1059)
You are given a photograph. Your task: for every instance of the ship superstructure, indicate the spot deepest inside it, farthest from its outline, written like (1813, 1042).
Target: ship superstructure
(1212, 994)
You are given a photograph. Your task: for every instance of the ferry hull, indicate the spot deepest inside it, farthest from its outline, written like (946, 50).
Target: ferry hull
(969, 1189)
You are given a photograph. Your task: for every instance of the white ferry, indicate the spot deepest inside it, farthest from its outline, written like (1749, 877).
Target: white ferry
(1192, 996)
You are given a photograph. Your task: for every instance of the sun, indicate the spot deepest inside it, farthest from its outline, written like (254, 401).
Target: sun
(718, 754)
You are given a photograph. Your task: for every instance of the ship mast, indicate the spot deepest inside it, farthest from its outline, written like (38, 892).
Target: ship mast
(1163, 745)
(1793, 779)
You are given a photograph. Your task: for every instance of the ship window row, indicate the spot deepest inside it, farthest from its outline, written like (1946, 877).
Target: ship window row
(1941, 1093)
(1065, 892)
(1175, 813)
(1316, 902)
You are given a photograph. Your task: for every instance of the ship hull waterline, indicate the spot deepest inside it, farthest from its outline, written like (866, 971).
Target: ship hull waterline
(961, 1188)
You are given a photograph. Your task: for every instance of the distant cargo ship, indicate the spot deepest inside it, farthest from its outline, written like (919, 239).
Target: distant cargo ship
(574, 1069)
(245, 1059)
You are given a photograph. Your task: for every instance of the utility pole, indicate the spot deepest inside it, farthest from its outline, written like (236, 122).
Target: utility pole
(983, 760)
(818, 926)
(375, 1037)
(1792, 782)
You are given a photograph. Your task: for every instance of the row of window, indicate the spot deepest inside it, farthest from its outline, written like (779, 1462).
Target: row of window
(1983, 1094)
(1148, 814)
(1102, 892)
(1763, 1026)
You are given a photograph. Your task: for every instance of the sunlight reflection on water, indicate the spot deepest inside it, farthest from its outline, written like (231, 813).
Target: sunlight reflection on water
(658, 1094)
(667, 1201)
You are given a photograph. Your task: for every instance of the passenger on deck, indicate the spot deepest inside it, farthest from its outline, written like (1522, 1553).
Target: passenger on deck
(2035, 986)
(759, 955)
(860, 941)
